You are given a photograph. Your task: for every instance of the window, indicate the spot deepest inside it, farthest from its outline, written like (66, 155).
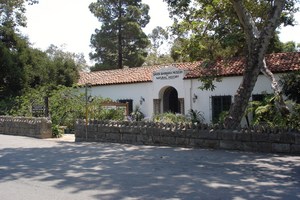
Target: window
(219, 105)
(130, 103)
(258, 97)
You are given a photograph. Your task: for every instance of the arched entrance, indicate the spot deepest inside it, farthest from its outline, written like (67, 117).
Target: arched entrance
(170, 100)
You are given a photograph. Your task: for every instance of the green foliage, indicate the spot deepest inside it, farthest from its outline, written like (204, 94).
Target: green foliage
(111, 114)
(13, 47)
(12, 63)
(158, 38)
(96, 111)
(266, 113)
(193, 116)
(64, 67)
(121, 40)
(170, 118)
(137, 114)
(211, 29)
(158, 59)
(291, 85)
(57, 131)
(178, 49)
(205, 30)
(222, 117)
(31, 68)
(66, 105)
(290, 46)
(13, 12)
(23, 104)
(6, 105)
(238, 27)
(294, 117)
(196, 116)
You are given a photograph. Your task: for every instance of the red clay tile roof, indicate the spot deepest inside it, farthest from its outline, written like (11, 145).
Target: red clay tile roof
(280, 62)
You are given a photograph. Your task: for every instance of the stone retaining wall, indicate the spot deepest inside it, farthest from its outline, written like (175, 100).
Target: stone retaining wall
(189, 135)
(24, 126)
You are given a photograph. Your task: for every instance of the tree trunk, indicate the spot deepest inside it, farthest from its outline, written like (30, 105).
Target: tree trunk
(243, 94)
(257, 43)
(279, 102)
(120, 47)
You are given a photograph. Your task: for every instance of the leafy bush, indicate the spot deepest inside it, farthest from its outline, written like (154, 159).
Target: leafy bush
(265, 112)
(137, 114)
(222, 117)
(294, 117)
(291, 85)
(6, 105)
(66, 105)
(96, 111)
(57, 132)
(196, 116)
(110, 114)
(170, 118)
(23, 104)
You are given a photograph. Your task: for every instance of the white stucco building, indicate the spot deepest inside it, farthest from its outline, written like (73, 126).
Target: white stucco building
(175, 87)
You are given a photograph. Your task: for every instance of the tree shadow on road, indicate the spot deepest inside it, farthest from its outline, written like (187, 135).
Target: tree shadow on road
(119, 171)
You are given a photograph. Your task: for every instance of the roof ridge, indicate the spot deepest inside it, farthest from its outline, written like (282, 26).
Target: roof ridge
(278, 62)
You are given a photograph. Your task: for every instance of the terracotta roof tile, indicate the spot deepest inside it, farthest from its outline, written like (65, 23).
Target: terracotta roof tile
(280, 62)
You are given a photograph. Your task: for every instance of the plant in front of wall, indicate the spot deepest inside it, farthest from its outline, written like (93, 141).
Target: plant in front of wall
(266, 113)
(98, 110)
(196, 116)
(169, 117)
(57, 131)
(66, 105)
(137, 114)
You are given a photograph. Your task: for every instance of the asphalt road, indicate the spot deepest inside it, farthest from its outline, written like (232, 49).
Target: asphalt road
(35, 169)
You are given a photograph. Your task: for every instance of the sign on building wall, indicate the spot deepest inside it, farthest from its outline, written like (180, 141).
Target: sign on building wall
(169, 73)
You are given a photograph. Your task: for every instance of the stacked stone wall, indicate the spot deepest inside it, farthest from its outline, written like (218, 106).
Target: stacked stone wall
(24, 126)
(191, 136)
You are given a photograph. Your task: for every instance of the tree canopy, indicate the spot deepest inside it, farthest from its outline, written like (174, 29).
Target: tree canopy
(211, 29)
(291, 86)
(229, 27)
(120, 41)
(156, 55)
(12, 46)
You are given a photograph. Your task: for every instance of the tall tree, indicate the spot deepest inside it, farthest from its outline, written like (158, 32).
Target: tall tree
(64, 67)
(121, 40)
(159, 39)
(257, 20)
(12, 46)
(290, 46)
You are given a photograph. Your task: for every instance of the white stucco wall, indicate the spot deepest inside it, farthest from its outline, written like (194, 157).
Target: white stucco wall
(228, 86)
(186, 88)
(128, 91)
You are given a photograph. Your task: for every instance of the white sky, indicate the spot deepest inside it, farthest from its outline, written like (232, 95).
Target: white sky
(70, 23)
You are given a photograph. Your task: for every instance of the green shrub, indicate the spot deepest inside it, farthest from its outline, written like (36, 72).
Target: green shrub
(137, 114)
(265, 112)
(23, 104)
(57, 131)
(170, 118)
(96, 110)
(196, 116)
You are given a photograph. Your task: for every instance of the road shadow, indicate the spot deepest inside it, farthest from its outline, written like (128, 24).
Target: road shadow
(120, 171)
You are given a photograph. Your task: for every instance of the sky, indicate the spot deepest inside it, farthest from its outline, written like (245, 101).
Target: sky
(69, 23)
